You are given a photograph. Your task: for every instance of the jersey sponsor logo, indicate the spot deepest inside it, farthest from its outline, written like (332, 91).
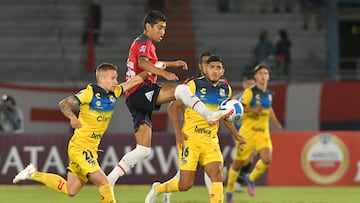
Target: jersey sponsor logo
(325, 158)
(202, 130)
(143, 48)
(96, 136)
(149, 95)
(258, 129)
(103, 119)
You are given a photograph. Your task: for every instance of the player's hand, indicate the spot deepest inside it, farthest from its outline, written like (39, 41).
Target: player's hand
(75, 122)
(180, 138)
(169, 76)
(278, 126)
(240, 139)
(181, 64)
(257, 109)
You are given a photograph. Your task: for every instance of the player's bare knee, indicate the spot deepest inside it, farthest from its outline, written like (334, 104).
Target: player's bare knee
(184, 186)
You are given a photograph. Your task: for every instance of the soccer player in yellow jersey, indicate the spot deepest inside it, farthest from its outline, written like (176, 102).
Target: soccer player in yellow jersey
(197, 141)
(255, 128)
(97, 102)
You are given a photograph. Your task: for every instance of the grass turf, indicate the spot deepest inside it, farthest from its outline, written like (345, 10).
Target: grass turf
(198, 194)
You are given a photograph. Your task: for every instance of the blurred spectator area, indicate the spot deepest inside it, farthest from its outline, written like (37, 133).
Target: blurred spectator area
(40, 40)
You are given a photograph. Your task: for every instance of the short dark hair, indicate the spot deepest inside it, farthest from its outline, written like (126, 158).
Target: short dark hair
(6, 98)
(213, 58)
(204, 54)
(261, 66)
(154, 17)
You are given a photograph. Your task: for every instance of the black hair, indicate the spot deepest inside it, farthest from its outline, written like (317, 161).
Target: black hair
(154, 17)
(204, 54)
(6, 98)
(213, 58)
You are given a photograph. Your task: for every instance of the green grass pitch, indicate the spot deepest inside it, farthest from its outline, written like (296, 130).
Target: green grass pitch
(198, 194)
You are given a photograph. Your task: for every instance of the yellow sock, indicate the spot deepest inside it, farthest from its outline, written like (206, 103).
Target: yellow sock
(52, 181)
(232, 176)
(106, 194)
(170, 186)
(216, 192)
(258, 170)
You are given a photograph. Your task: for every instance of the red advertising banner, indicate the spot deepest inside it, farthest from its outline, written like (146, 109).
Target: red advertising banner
(299, 158)
(49, 153)
(315, 158)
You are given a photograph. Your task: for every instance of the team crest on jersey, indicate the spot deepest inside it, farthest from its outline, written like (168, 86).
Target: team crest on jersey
(222, 92)
(143, 48)
(112, 99)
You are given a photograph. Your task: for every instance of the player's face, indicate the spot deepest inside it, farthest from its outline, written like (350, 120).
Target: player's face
(262, 76)
(214, 70)
(108, 80)
(248, 83)
(157, 31)
(202, 64)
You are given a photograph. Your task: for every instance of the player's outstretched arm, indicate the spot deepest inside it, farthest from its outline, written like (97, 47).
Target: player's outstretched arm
(66, 108)
(149, 67)
(134, 81)
(177, 64)
(230, 126)
(273, 117)
(173, 110)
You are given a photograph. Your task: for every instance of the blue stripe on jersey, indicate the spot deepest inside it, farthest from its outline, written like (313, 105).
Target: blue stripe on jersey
(102, 101)
(265, 98)
(208, 93)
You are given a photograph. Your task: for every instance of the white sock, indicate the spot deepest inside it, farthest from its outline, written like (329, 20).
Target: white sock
(127, 162)
(183, 93)
(207, 181)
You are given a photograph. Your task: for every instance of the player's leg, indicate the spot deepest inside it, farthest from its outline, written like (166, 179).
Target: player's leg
(140, 104)
(213, 169)
(56, 182)
(181, 92)
(264, 147)
(100, 180)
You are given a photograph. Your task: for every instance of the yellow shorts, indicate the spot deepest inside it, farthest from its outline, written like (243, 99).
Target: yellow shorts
(254, 141)
(82, 162)
(194, 154)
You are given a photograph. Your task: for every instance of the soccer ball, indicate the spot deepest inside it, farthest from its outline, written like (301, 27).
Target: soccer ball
(233, 104)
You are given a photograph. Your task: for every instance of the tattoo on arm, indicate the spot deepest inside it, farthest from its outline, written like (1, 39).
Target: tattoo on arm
(66, 106)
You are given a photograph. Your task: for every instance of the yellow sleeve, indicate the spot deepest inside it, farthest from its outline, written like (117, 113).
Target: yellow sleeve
(119, 90)
(246, 97)
(84, 96)
(230, 92)
(192, 86)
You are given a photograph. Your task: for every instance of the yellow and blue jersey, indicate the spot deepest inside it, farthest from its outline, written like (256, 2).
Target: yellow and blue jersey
(195, 125)
(96, 110)
(256, 122)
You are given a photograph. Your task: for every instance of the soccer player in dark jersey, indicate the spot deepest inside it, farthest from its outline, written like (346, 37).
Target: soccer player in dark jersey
(97, 102)
(257, 102)
(197, 141)
(148, 96)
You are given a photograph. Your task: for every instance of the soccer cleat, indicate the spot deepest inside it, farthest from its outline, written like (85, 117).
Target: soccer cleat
(25, 174)
(229, 197)
(152, 195)
(167, 197)
(219, 115)
(250, 186)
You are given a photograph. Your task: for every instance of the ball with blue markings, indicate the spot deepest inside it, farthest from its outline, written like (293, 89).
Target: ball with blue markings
(236, 106)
